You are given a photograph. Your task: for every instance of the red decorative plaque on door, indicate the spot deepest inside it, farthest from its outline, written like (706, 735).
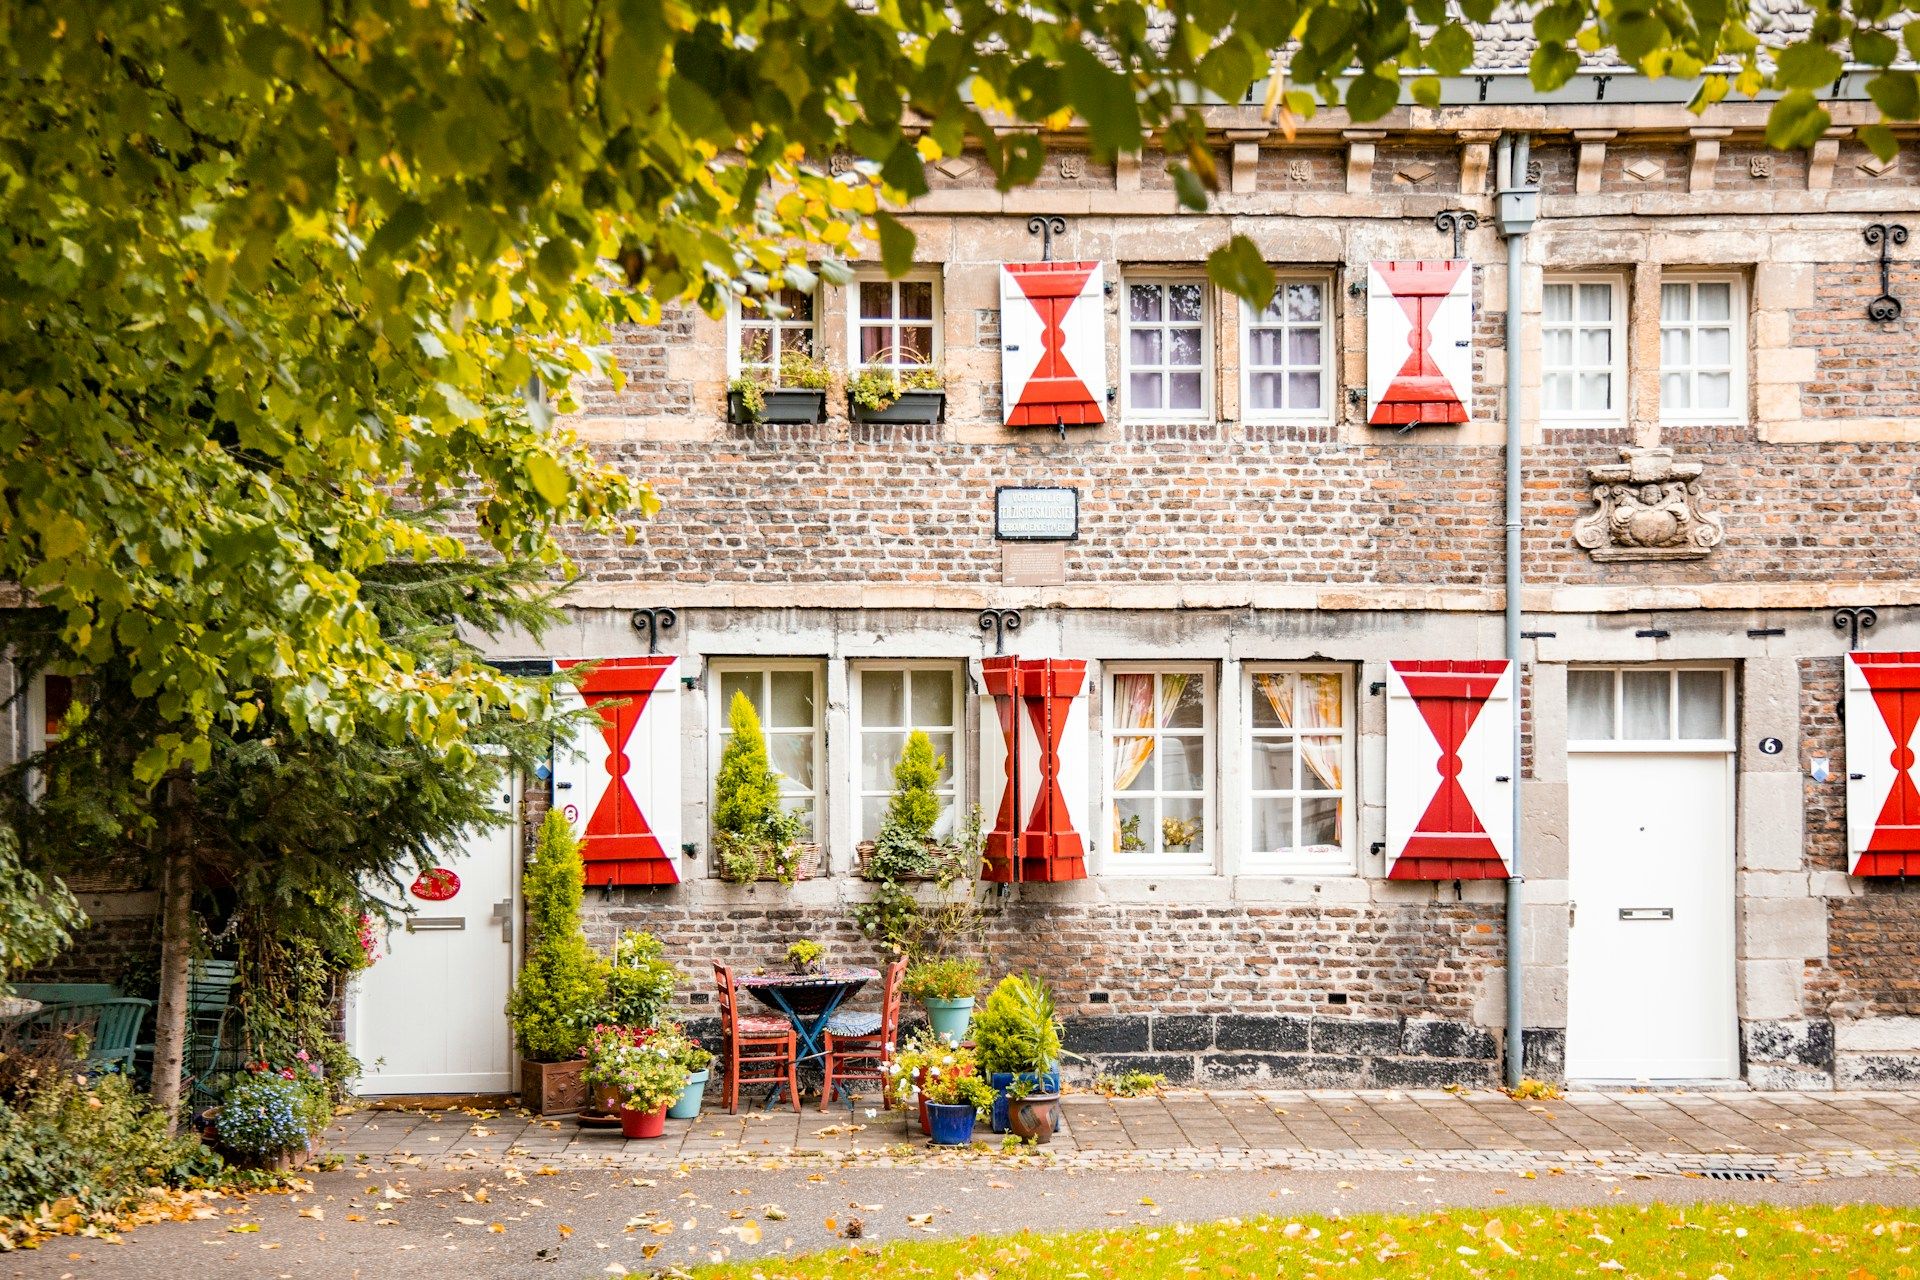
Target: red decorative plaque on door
(435, 884)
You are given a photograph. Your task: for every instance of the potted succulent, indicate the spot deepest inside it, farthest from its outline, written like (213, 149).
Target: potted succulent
(805, 955)
(1018, 1037)
(795, 392)
(946, 985)
(955, 1095)
(651, 1077)
(699, 1064)
(755, 837)
(879, 393)
(562, 990)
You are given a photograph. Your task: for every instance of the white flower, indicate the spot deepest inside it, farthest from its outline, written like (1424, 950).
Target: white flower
(948, 1060)
(872, 1112)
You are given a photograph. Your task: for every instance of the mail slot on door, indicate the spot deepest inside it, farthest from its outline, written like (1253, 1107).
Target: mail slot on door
(1646, 913)
(427, 924)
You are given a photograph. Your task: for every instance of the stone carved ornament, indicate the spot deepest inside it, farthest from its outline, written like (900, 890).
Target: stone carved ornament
(1647, 507)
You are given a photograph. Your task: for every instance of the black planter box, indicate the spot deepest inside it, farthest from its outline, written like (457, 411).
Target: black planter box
(782, 406)
(922, 407)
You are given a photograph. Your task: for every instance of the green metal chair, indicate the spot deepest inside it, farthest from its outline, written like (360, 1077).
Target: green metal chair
(112, 1028)
(212, 1049)
(66, 992)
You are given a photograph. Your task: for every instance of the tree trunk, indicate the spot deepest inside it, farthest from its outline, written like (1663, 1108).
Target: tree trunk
(176, 954)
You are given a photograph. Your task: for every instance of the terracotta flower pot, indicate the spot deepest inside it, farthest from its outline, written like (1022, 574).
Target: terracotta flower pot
(1032, 1118)
(643, 1124)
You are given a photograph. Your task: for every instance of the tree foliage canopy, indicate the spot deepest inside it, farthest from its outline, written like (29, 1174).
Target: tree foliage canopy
(275, 270)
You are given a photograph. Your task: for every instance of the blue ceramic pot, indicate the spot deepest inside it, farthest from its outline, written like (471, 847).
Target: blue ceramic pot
(688, 1105)
(949, 1018)
(1048, 1083)
(952, 1126)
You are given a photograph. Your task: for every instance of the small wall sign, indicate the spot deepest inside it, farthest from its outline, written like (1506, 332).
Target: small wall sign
(1771, 746)
(436, 884)
(1046, 513)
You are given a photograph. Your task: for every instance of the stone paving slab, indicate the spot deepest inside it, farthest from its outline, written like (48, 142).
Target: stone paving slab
(1633, 1134)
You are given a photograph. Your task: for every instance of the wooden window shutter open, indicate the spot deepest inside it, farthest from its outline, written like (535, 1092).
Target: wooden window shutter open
(1053, 365)
(1450, 770)
(619, 782)
(1419, 343)
(1883, 800)
(1034, 766)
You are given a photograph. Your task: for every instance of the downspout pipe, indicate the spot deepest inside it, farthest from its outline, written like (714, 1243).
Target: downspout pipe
(1517, 204)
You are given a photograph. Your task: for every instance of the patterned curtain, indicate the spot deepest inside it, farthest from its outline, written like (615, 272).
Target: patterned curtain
(1316, 707)
(1132, 709)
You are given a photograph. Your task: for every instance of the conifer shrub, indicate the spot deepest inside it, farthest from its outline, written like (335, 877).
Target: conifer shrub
(754, 836)
(563, 985)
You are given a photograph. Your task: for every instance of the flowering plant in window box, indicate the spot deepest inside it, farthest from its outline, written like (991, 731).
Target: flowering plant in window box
(794, 392)
(883, 393)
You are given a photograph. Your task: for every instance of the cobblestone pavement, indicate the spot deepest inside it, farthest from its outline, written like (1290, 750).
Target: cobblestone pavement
(1733, 1135)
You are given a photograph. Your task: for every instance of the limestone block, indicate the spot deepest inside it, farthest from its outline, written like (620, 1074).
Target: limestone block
(1876, 1035)
(1771, 819)
(1771, 884)
(1770, 708)
(1782, 285)
(1770, 988)
(1782, 928)
(1778, 401)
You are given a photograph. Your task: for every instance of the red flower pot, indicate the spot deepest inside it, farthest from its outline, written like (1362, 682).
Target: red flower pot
(643, 1124)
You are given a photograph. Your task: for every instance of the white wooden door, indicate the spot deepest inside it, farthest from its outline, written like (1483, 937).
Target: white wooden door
(1650, 950)
(429, 1016)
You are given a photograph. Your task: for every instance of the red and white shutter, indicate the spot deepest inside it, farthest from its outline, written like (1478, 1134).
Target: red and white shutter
(1419, 343)
(1034, 768)
(1053, 366)
(1450, 770)
(1883, 732)
(619, 782)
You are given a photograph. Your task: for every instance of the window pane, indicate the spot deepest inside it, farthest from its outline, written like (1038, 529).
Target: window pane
(1596, 347)
(1182, 829)
(1132, 825)
(1266, 389)
(879, 752)
(1319, 822)
(1181, 705)
(1320, 704)
(792, 700)
(1133, 764)
(1596, 302)
(1713, 301)
(915, 346)
(1273, 764)
(1303, 390)
(943, 756)
(1320, 762)
(1303, 302)
(1556, 303)
(1590, 706)
(1144, 389)
(1184, 301)
(1703, 704)
(796, 338)
(932, 699)
(747, 682)
(1676, 347)
(1596, 391)
(1557, 392)
(792, 756)
(880, 697)
(1713, 346)
(876, 300)
(916, 299)
(874, 344)
(1183, 764)
(1183, 391)
(1133, 701)
(1143, 346)
(1714, 391)
(1183, 347)
(1143, 301)
(1675, 302)
(872, 810)
(1645, 705)
(1272, 824)
(1673, 391)
(1556, 347)
(799, 305)
(756, 344)
(1303, 346)
(1271, 694)
(1264, 347)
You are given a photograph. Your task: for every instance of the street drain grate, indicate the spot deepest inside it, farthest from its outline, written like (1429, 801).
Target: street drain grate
(1739, 1175)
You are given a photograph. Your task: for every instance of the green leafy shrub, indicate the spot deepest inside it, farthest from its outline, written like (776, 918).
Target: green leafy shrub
(563, 985)
(641, 982)
(754, 835)
(97, 1144)
(945, 978)
(1018, 1030)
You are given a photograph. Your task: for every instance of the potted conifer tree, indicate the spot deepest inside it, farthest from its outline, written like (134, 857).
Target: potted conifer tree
(754, 837)
(1017, 1034)
(563, 984)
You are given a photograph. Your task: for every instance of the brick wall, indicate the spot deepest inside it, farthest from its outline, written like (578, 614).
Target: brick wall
(1862, 369)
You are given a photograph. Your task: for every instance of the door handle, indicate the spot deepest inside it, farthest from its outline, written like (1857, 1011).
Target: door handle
(503, 915)
(434, 924)
(1572, 909)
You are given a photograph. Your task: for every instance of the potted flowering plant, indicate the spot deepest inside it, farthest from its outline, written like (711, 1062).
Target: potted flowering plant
(946, 985)
(913, 1064)
(795, 392)
(650, 1078)
(269, 1117)
(606, 1046)
(955, 1095)
(698, 1062)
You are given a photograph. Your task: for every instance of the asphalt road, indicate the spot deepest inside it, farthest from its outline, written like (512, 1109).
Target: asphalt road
(580, 1224)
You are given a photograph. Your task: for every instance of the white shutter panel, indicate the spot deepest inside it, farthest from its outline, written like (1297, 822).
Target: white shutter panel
(1419, 343)
(1450, 770)
(1053, 367)
(1883, 733)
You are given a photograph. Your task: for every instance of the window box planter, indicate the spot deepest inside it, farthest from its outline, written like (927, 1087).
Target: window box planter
(784, 406)
(807, 863)
(912, 408)
(864, 854)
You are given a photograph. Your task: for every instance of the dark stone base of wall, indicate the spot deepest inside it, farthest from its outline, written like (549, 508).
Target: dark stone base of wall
(1289, 1051)
(1788, 1054)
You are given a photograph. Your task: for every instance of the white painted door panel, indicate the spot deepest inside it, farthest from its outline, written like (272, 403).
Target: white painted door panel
(1650, 951)
(429, 1016)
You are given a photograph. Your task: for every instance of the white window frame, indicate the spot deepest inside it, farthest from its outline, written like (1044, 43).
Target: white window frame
(717, 731)
(1129, 412)
(1342, 860)
(1617, 367)
(1115, 862)
(954, 670)
(1672, 742)
(38, 739)
(1249, 321)
(738, 318)
(854, 324)
(1735, 413)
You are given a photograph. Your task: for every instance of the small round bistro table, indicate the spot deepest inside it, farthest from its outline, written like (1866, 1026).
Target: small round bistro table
(808, 1001)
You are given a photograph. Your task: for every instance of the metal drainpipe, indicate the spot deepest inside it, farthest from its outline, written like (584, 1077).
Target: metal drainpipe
(1517, 205)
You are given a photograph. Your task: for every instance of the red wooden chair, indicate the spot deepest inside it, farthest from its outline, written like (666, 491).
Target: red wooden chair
(757, 1049)
(859, 1045)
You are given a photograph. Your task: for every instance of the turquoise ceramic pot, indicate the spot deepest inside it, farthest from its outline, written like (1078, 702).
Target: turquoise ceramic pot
(688, 1107)
(949, 1018)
